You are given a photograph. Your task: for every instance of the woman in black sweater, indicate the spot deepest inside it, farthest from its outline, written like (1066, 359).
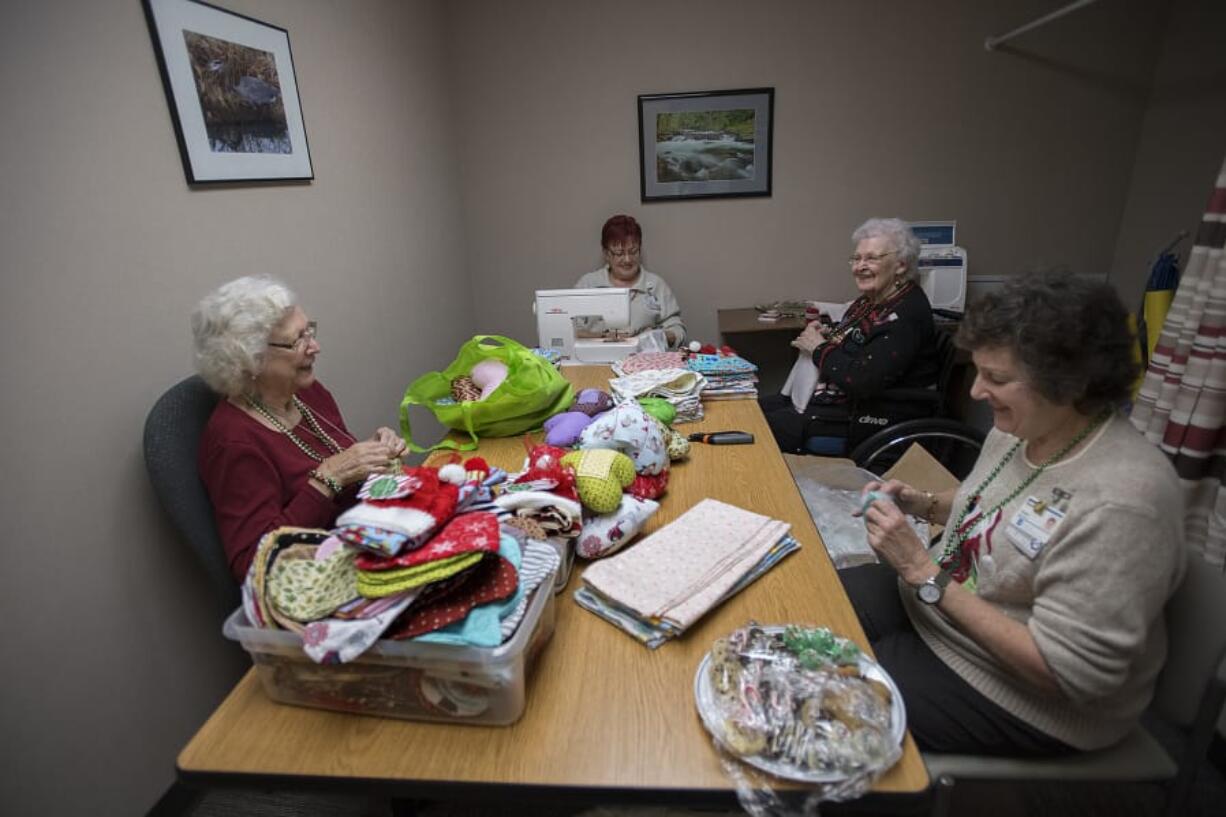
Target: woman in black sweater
(886, 339)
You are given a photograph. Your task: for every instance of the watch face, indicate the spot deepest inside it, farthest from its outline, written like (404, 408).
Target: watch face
(929, 593)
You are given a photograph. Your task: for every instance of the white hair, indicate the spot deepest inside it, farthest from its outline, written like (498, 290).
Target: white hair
(231, 326)
(898, 233)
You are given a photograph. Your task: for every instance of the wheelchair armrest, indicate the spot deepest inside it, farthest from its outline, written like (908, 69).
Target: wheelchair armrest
(909, 395)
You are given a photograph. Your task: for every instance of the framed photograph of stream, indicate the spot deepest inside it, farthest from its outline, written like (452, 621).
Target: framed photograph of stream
(232, 93)
(706, 144)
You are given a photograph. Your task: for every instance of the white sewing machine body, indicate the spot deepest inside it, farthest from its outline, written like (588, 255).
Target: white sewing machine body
(558, 309)
(942, 264)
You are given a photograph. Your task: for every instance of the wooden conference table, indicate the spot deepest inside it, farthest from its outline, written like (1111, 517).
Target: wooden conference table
(606, 719)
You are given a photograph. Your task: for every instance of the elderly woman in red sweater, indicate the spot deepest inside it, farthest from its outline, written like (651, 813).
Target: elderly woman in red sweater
(276, 450)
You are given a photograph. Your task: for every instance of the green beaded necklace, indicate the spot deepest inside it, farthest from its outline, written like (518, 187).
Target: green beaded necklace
(306, 415)
(958, 536)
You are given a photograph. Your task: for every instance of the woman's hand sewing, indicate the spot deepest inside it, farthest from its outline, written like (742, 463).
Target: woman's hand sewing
(393, 441)
(359, 461)
(813, 336)
(893, 539)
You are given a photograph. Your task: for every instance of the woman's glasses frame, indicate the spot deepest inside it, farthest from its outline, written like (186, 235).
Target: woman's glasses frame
(302, 341)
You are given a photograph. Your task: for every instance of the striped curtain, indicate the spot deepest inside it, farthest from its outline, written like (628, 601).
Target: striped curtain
(1182, 403)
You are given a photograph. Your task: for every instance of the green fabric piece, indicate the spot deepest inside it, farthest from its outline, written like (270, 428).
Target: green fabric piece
(659, 408)
(304, 589)
(533, 392)
(375, 584)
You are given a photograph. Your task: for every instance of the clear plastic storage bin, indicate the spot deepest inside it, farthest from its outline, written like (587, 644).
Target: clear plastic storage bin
(405, 679)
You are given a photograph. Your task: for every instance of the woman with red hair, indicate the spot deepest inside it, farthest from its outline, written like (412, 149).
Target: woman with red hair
(652, 303)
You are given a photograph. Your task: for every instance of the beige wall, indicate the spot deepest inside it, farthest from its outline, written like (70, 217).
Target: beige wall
(882, 108)
(105, 250)
(1182, 143)
(470, 151)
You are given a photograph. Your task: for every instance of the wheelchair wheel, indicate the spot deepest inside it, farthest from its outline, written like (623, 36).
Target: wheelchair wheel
(954, 444)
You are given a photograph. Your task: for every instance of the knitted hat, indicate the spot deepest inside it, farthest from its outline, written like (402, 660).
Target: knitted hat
(413, 503)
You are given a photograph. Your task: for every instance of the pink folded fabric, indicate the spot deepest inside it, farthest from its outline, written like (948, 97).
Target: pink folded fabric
(643, 361)
(683, 569)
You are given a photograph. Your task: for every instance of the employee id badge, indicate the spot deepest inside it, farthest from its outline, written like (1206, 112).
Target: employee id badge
(1032, 526)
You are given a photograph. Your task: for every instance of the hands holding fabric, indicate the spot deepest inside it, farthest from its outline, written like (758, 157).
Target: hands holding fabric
(890, 535)
(813, 336)
(379, 454)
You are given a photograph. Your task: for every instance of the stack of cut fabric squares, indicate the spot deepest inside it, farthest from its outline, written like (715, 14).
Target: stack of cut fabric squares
(729, 377)
(657, 589)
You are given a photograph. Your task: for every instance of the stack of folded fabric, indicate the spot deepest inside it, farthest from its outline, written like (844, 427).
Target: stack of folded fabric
(401, 564)
(680, 387)
(660, 587)
(646, 361)
(729, 376)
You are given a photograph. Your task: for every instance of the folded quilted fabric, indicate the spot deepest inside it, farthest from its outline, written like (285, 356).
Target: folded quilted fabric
(374, 584)
(719, 364)
(655, 633)
(665, 383)
(493, 580)
(644, 361)
(557, 515)
(305, 588)
(685, 568)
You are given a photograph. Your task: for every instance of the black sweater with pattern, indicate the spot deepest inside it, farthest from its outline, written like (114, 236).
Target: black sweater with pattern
(891, 346)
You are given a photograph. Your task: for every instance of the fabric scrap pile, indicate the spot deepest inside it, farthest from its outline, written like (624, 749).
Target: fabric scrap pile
(671, 578)
(421, 557)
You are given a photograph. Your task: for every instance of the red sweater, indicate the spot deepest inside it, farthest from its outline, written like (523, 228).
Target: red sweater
(257, 479)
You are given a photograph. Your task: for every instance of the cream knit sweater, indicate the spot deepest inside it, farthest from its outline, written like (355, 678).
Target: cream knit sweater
(1092, 597)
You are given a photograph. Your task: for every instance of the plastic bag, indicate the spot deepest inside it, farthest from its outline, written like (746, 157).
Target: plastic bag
(831, 501)
(532, 392)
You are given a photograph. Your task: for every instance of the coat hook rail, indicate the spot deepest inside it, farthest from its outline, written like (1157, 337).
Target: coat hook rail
(990, 43)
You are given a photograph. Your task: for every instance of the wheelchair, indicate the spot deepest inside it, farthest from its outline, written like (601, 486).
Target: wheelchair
(883, 427)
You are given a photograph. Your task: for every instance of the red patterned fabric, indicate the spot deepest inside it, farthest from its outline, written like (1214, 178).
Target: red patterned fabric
(1182, 403)
(644, 361)
(463, 534)
(494, 579)
(649, 486)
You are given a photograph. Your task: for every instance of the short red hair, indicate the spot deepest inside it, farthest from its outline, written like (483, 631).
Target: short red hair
(618, 229)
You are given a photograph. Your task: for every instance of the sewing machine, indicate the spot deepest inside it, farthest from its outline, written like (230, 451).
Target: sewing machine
(942, 265)
(558, 310)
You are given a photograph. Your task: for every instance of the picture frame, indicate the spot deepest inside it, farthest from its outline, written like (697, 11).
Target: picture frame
(706, 144)
(232, 91)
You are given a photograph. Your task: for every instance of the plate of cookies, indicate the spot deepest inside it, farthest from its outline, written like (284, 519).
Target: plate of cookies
(800, 703)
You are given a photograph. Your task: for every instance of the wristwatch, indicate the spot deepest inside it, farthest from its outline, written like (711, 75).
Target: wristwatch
(931, 591)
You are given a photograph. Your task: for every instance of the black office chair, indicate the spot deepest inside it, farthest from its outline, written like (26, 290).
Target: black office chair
(172, 437)
(1189, 697)
(953, 443)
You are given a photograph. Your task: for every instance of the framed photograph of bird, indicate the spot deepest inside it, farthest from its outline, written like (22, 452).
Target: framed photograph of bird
(232, 93)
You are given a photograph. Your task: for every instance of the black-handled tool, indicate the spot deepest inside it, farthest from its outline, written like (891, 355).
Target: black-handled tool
(723, 438)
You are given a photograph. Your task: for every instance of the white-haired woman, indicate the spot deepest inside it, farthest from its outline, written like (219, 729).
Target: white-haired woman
(276, 450)
(885, 339)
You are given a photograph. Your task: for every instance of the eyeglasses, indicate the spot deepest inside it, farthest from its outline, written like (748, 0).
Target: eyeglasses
(871, 260)
(302, 341)
(624, 252)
